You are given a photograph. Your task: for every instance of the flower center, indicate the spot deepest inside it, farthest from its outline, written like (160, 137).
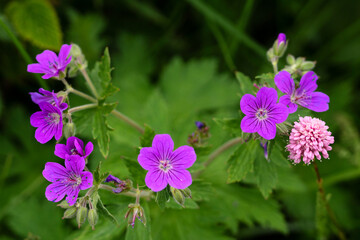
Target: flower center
(262, 114)
(53, 118)
(74, 151)
(73, 180)
(299, 98)
(165, 165)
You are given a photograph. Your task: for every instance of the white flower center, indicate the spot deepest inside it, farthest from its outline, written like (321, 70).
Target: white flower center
(53, 118)
(165, 165)
(262, 114)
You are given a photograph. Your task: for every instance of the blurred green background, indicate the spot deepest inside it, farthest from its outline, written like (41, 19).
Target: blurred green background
(167, 56)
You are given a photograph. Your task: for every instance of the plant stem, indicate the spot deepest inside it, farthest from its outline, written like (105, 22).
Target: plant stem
(275, 66)
(82, 107)
(22, 51)
(89, 82)
(83, 95)
(143, 193)
(331, 214)
(218, 151)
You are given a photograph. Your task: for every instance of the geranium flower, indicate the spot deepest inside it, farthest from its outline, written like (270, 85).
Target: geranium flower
(304, 95)
(47, 96)
(68, 180)
(166, 166)
(74, 146)
(262, 113)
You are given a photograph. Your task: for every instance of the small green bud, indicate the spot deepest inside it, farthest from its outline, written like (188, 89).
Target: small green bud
(92, 218)
(78, 60)
(69, 130)
(290, 59)
(81, 215)
(69, 213)
(178, 196)
(64, 204)
(186, 192)
(270, 55)
(307, 65)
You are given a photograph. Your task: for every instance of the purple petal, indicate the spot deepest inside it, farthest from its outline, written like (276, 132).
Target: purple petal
(44, 133)
(285, 100)
(112, 178)
(179, 179)
(49, 75)
(63, 54)
(284, 82)
(86, 180)
(47, 107)
(88, 149)
(56, 191)
(307, 83)
(37, 68)
(266, 97)
(61, 150)
(164, 145)
(147, 159)
(278, 113)
(156, 180)
(183, 157)
(70, 144)
(248, 104)
(72, 196)
(45, 57)
(267, 130)
(54, 171)
(250, 124)
(319, 102)
(37, 119)
(58, 129)
(281, 38)
(63, 106)
(74, 163)
(79, 146)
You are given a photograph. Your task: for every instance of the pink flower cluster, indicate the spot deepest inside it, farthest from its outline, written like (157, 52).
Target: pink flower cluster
(309, 138)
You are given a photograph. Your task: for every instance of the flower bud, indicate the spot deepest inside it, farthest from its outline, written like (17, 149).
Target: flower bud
(280, 45)
(64, 204)
(69, 213)
(78, 60)
(307, 65)
(178, 196)
(69, 130)
(135, 211)
(81, 215)
(290, 59)
(186, 192)
(92, 218)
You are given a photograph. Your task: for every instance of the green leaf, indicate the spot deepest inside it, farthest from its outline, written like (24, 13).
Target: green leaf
(98, 176)
(322, 221)
(137, 172)
(140, 231)
(162, 197)
(266, 175)
(230, 124)
(201, 191)
(103, 211)
(36, 21)
(242, 161)
(267, 79)
(189, 204)
(147, 137)
(246, 86)
(101, 128)
(101, 77)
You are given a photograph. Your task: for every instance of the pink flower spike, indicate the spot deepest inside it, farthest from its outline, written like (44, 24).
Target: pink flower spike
(309, 138)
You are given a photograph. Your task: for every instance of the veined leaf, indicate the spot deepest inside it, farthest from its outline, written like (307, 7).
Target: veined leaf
(266, 174)
(246, 86)
(162, 197)
(147, 137)
(103, 211)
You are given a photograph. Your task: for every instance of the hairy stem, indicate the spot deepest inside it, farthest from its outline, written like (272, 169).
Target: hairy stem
(89, 82)
(143, 193)
(83, 107)
(275, 65)
(217, 152)
(331, 214)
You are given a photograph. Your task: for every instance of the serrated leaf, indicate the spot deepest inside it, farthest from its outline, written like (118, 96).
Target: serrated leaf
(266, 174)
(230, 124)
(266, 79)
(162, 197)
(101, 77)
(147, 137)
(98, 176)
(137, 172)
(246, 86)
(242, 161)
(103, 211)
(201, 191)
(189, 204)
(36, 21)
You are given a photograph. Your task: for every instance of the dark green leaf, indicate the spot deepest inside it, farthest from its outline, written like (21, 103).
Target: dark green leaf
(98, 176)
(104, 212)
(147, 138)
(162, 197)
(137, 172)
(230, 124)
(266, 174)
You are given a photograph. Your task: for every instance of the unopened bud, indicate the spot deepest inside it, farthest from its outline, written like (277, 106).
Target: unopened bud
(307, 65)
(64, 204)
(78, 60)
(290, 59)
(186, 192)
(92, 218)
(178, 196)
(69, 130)
(81, 215)
(69, 213)
(280, 45)
(135, 211)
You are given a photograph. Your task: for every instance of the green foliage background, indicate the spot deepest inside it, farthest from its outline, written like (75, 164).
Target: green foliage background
(174, 63)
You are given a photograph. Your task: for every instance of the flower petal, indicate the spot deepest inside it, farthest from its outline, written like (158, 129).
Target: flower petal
(45, 133)
(267, 130)
(250, 124)
(63, 54)
(156, 180)
(147, 159)
(37, 119)
(179, 179)
(86, 180)
(56, 191)
(248, 104)
(164, 145)
(183, 157)
(285, 100)
(58, 130)
(54, 171)
(307, 83)
(266, 97)
(318, 102)
(74, 163)
(60, 150)
(46, 58)
(284, 82)
(37, 68)
(278, 113)
(72, 196)
(79, 146)
(89, 148)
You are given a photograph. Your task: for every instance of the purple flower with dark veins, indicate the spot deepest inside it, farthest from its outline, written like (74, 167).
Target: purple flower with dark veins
(68, 180)
(304, 95)
(166, 166)
(50, 64)
(74, 146)
(262, 113)
(47, 96)
(48, 121)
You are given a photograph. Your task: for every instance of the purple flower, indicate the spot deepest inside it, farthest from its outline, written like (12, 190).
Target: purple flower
(48, 121)
(304, 95)
(74, 146)
(68, 180)
(199, 124)
(120, 185)
(262, 113)
(112, 178)
(50, 64)
(281, 38)
(47, 96)
(166, 166)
